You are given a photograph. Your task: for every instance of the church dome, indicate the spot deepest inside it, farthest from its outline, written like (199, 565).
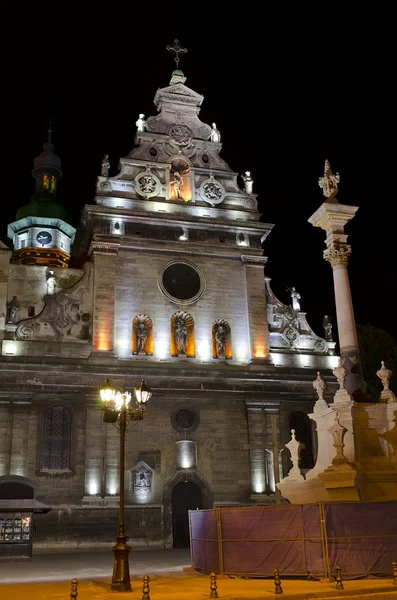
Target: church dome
(47, 161)
(40, 207)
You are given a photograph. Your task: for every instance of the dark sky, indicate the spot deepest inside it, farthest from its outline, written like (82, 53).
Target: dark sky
(280, 98)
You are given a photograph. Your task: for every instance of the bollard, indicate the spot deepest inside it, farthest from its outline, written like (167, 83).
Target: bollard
(145, 588)
(394, 566)
(277, 582)
(213, 586)
(338, 578)
(73, 590)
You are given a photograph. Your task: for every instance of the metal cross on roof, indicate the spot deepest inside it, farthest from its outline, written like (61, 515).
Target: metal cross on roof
(177, 50)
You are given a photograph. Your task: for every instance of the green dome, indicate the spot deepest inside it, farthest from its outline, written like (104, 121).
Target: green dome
(39, 207)
(178, 73)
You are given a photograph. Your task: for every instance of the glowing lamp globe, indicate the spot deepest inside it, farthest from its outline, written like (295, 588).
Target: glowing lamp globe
(107, 391)
(142, 394)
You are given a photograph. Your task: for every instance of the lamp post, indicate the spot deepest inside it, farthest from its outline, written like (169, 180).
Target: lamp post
(117, 410)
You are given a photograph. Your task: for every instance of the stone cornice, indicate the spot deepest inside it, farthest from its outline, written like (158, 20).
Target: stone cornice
(109, 248)
(254, 261)
(331, 216)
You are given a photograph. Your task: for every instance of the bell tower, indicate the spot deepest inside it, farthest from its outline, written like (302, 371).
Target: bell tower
(42, 235)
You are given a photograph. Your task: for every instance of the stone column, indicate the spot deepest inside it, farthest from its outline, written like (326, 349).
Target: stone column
(332, 217)
(104, 259)
(256, 306)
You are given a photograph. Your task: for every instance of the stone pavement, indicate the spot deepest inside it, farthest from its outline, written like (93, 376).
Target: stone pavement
(48, 578)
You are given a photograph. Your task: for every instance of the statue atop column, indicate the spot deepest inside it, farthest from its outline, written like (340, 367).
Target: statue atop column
(215, 135)
(180, 336)
(105, 166)
(141, 123)
(327, 324)
(329, 183)
(248, 182)
(295, 296)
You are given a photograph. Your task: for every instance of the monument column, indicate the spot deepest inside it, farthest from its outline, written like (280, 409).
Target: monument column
(332, 217)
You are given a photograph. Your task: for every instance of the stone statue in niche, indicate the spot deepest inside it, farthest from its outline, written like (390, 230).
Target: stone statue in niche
(220, 340)
(13, 307)
(141, 338)
(142, 478)
(177, 185)
(105, 166)
(327, 324)
(215, 134)
(141, 123)
(248, 182)
(180, 336)
(295, 298)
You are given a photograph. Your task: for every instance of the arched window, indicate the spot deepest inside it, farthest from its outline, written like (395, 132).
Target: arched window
(299, 421)
(57, 428)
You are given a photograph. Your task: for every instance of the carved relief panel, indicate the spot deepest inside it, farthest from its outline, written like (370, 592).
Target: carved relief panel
(142, 481)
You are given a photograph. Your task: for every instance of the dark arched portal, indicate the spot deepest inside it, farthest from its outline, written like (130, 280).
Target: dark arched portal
(185, 496)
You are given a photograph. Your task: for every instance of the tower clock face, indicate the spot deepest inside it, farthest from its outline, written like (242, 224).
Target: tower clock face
(44, 238)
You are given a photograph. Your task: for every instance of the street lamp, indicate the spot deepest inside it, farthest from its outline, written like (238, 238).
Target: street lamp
(117, 410)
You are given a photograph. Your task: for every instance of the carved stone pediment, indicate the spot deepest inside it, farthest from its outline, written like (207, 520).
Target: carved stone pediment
(66, 316)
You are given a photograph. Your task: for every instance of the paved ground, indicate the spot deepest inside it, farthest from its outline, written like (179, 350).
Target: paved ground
(47, 577)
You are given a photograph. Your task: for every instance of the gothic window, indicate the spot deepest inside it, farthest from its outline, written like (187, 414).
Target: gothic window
(57, 429)
(299, 421)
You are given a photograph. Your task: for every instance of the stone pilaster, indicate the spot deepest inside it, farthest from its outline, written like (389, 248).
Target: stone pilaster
(256, 305)
(5, 436)
(19, 440)
(104, 259)
(257, 456)
(94, 453)
(5, 254)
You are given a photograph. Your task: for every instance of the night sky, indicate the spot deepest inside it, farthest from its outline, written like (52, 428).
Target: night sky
(281, 105)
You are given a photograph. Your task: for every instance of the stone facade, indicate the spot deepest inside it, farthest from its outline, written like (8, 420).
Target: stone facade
(152, 248)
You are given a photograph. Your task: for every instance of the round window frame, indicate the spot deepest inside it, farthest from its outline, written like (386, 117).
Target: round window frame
(185, 407)
(178, 300)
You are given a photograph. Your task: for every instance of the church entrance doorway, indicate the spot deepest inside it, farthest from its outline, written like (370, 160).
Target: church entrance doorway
(185, 496)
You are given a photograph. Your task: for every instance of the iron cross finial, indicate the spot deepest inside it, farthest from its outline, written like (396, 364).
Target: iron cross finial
(50, 123)
(177, 50)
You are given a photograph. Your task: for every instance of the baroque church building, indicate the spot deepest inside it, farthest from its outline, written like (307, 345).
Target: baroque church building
(171, 289)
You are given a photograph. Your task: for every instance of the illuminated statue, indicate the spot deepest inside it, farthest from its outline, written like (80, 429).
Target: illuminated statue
(141, 338)
(328, 328)
(329, 182)
(177, 184)
(180, 336)
(141, 123)
(215, 134)
(105, 166)
(295, 298)
(12, 310)
(248, 182)
(220, 339)
(50, 283)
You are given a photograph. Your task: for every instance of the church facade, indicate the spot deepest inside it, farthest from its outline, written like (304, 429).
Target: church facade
(171, 288)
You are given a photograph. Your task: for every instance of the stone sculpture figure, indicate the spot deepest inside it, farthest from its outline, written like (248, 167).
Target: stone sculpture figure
(50, 283)
(248, 182)
(141, 123)
(295, 298)
(141, 338)
(215, 135)
(327, 324)
(13, 307)
(220, 340)
(329, 182)
(177, 184)
(180, 336)
(319, 385)
(105, 166)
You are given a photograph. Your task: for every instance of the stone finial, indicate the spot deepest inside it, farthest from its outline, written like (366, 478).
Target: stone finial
(384, 375)
(329, 183)
(338, 433)
(340, 373)
(319, 385)
(295, 448)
